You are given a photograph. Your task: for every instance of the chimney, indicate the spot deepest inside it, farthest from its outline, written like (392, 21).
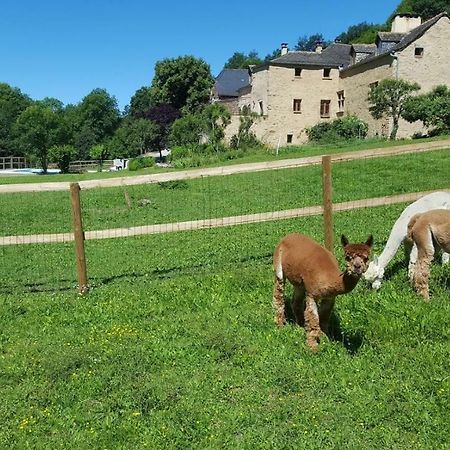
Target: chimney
(284, 48)
(319, 47)
(404, 23)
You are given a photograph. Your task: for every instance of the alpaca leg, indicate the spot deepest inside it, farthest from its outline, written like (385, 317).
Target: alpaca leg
(325, 313)
(422, 275)
(412, 262)
(425, 254)
(278, 301)
(312, 325)
(298, 304)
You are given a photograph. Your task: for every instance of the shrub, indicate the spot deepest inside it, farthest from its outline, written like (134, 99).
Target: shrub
(62, 155)
(343, 128)
(140, 163)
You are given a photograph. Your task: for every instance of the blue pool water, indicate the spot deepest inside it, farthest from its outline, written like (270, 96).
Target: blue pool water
(36, 171)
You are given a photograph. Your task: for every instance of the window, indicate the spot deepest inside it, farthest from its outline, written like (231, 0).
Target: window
(327, 73)
(298, 72)
(341, 101)
(418, 52)
(325, 108)
(297, 105)
(261, 108)
(289, 138)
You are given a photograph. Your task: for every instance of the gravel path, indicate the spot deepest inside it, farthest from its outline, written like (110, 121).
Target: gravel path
(226, 170)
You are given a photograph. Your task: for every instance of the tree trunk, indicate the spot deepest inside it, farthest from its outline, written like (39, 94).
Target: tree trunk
(394, 129)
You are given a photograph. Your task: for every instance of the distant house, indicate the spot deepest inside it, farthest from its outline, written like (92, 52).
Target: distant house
(227, 85)
(300, 89)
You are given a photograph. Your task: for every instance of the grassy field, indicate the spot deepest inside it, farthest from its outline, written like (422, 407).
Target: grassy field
(212, 197)
(175, 345)
(251, 157)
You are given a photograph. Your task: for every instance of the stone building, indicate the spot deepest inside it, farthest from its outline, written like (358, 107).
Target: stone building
(300, 89)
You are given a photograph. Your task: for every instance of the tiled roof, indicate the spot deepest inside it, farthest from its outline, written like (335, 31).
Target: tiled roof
(334, 55)
(229, 81)
(387, 36)
(364, 48)
(406, 40)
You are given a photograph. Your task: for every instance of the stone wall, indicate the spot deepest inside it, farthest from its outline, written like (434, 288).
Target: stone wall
(356, 81)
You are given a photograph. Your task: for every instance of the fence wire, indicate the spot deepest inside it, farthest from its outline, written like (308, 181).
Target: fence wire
(195, 203)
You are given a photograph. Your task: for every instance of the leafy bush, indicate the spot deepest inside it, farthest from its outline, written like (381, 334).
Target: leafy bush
(140, 163)
(343, 128)
(173, 184)
(62, 155)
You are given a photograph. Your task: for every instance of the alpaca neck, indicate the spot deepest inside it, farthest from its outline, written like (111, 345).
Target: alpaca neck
(396, 237)
(346, 283)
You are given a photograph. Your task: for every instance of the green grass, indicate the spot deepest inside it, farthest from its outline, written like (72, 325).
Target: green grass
(175, 347)
(310, 149)
(210, 197)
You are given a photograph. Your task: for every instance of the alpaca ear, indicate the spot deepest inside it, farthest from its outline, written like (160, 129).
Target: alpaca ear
(369, 241)
(344, 240)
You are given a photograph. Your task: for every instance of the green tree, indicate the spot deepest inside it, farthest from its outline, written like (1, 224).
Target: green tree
(97, 118)
(186, 131)
(387, 99)
(215, 118)
(53, 103)
(242, 61)
(62, 155)
(133, 138)
(361, 33)
(426, 9)
(141, 102)
(275, 54)
(245, 137)
(308, 43)
(184, 82)
(12, 104)
(433, 109)
(38, 128)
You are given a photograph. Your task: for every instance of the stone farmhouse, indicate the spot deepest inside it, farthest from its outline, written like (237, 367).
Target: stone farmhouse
(300, 89)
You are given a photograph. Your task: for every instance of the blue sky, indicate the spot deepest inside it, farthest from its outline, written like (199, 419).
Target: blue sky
(61, 49)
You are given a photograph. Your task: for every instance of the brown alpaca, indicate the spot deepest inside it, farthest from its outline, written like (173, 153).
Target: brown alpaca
(428, 231)
(315, 275)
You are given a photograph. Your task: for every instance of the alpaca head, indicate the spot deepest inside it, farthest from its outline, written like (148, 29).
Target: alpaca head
(356, 256)
(374, 273)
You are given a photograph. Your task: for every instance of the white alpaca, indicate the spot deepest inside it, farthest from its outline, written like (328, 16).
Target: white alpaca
(375, 272)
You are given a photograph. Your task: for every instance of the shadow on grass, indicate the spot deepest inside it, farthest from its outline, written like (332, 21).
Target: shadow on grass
(351, 341)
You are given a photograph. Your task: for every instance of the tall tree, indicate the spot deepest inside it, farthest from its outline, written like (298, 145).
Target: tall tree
(98, 117)
(309, 43)
(275, 54)
(133, 138)
(164, 116)
(184, 82)
(39, 128)
(141, 102)
(433, 109)
(12, 103)
(426, 9)
(357, 33)
(242, 61)
(388, 99)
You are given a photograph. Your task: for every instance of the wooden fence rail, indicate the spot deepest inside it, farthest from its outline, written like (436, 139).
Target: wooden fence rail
(12, 162)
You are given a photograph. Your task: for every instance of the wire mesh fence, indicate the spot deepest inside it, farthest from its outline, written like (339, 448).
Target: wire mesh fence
(175, 203)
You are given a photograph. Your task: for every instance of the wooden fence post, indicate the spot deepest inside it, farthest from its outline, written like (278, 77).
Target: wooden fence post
(327, 202)
(79, 238)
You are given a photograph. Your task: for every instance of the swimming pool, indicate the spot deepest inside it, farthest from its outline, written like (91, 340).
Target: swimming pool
(29, 171)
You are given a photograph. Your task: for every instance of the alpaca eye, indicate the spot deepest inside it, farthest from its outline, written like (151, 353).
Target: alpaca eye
(348, 257)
